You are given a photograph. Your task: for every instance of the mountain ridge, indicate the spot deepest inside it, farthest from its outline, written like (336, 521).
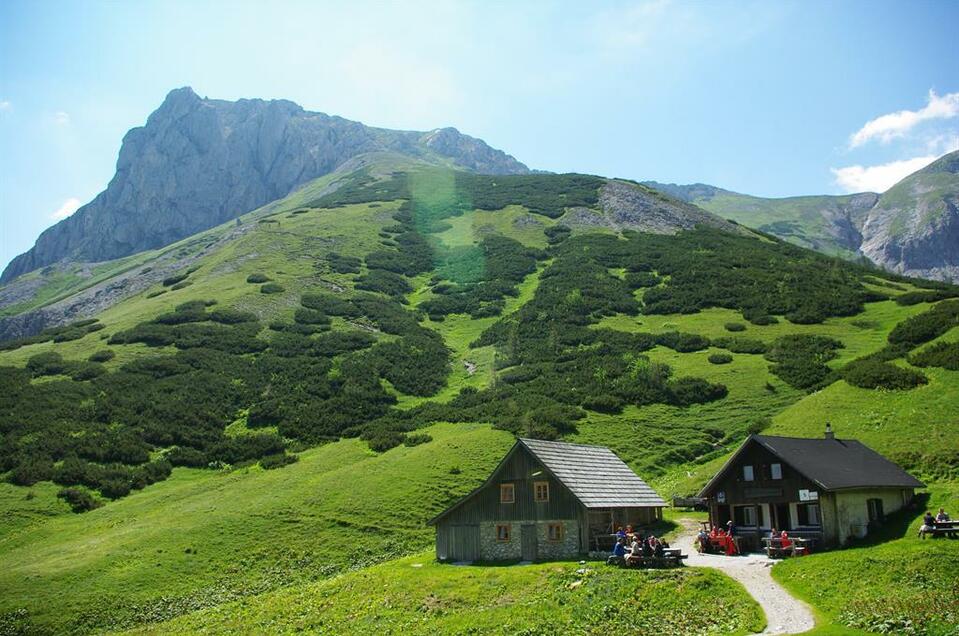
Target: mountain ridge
(165, 189)
(910, 229)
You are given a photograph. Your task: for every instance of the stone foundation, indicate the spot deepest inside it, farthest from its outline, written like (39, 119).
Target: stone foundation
(512, 550)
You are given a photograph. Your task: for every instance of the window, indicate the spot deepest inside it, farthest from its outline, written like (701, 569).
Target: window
(507, 493)
(554, 532)
(808, 514)
(541, 490)
(502, 533)
(747, 473)
(776, 470)
(745, 516)
(875, 509)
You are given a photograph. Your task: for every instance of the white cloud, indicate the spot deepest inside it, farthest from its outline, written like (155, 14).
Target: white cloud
(888, 127)
(67, 209)
(61, 118)
(881, 177)
(5, 105)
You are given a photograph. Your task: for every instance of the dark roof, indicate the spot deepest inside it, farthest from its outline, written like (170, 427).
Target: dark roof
(594, 474)
(833, 464)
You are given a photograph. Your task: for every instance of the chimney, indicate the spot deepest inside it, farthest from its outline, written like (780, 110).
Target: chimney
(829, 434)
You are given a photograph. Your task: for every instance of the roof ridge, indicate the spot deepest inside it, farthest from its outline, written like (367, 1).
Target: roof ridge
(562, 443)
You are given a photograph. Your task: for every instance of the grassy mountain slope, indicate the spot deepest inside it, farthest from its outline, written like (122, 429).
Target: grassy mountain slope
(405, 297)
(828, 224)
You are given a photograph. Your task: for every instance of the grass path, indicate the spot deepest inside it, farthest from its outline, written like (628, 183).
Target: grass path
(785, 614)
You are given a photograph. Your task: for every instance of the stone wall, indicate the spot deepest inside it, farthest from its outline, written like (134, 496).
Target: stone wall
(512, 550)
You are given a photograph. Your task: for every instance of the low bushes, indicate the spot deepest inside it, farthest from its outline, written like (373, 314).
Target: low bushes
(734, 326)
(278, 460)
(258, 278)
(174, 280)
(800, 360)
(272, 288)
(79, 500)
(720, 358)
(103, 355)
(927, 325)
(941, 354)
(875, 374)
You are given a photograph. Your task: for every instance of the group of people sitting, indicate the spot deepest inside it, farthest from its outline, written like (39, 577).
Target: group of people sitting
(631, 547)
(724, 540)
(929, 522)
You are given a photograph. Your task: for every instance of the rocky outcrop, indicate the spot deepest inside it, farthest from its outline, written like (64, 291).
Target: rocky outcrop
(914, 227)
(199, 162)
(629, 206)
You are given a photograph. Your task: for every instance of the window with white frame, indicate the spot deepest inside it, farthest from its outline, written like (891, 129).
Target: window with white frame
(748, 474)
(776, 471)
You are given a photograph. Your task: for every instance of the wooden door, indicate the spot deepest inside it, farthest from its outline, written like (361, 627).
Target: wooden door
(464, 543)
(528, 537)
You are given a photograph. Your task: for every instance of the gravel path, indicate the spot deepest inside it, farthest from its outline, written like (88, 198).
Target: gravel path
(784, 613)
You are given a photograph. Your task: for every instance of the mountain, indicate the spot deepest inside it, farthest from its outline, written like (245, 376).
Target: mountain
(912, 228)
(219, 428)
(199, 162)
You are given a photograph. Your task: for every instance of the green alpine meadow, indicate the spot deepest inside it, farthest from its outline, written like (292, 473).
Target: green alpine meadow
(685, 364)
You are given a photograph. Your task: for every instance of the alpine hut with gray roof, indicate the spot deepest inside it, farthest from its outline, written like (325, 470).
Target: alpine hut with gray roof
(546, 500)
(827, 489)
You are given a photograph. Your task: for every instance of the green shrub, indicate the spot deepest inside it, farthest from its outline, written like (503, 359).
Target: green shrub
(258, 278)
(875, 374)
(762, 319)
(31, 470)
(740, 345)
(385, 440)
(720, 358)
(173, 280)
(231, 316)
(417, 439)
(46, 363)
(103, 355)
(306, 316)
(278, 460)
(182, 285)
(926, 326)
(941, 354)
(734, 326)
(272, 288)
(79, 500)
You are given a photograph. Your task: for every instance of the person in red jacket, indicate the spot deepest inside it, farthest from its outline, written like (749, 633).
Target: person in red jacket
(786, 543)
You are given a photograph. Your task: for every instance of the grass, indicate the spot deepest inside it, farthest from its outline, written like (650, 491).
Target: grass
(205, 537)
(416, 595)
(890, 583)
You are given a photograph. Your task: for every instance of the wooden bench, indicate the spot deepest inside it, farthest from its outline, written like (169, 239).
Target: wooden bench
(672, 557)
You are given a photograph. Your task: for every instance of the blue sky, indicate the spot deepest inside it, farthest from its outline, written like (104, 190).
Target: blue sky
(774, 99)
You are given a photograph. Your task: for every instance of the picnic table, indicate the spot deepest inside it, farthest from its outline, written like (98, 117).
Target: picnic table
(799, 546)
(945, 529)
(672, 557)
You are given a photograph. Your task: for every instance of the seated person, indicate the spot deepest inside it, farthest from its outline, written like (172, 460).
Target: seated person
(773, 534)
(942, 516)
(621, 534)
(656, 545)
(786, 543)
(928, 525)
(648, 548)
(619, 553)
(635, 552)
(702, 541)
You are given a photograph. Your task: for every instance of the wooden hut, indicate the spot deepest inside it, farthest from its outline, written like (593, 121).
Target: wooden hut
(546, 500)
(824, 489)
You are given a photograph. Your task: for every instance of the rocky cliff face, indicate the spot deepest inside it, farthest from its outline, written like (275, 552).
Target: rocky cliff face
(199, 162)
(914, 227)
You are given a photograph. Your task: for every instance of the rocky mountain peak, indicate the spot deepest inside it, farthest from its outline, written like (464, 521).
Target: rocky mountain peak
(199, 162)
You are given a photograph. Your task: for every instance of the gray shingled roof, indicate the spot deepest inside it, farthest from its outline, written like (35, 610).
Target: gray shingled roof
(594, 474)
(834, 464)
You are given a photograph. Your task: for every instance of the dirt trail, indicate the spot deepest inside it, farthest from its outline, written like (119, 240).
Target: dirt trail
(784, 613)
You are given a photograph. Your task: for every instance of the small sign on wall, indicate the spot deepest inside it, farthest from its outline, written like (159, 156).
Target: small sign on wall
(808, 495)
